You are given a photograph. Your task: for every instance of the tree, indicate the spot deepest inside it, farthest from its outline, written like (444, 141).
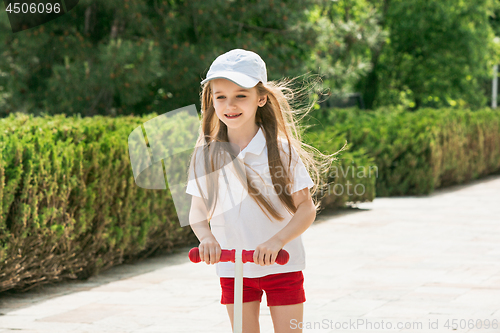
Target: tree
(131, 56)
(438, 54)
(348, 34)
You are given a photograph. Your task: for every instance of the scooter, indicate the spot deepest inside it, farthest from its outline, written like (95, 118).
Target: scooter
(238, 257)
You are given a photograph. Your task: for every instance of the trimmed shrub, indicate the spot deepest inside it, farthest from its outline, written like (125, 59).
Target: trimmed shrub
(352, 178)
(417, 152)
(70, 206)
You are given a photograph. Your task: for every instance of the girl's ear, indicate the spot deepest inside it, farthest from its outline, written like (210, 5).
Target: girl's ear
(263, 100)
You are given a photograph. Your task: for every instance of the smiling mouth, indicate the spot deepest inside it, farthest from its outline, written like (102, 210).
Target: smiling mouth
(232, 116)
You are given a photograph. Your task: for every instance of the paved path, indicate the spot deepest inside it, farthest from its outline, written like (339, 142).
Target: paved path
(406, 260)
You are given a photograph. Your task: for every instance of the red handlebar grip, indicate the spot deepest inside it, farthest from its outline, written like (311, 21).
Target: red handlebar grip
(246, 256)
(226, 255)
(194, 255)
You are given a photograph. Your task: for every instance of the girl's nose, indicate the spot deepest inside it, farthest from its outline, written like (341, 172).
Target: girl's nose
(231, 103)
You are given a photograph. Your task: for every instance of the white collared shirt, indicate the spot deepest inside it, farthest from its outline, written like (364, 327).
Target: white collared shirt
(238, 221)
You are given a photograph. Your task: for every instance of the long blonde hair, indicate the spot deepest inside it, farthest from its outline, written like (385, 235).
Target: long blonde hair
(279, 121)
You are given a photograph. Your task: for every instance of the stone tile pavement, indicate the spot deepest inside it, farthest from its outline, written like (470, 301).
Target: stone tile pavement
(419, 264)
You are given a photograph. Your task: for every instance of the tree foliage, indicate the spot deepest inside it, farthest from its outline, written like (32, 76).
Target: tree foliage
(348, 32)
(135, 57)
(131, 56)
(439, 53)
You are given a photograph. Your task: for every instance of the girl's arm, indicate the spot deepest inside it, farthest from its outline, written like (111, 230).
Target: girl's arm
(202, 230)
(301, 220)
(198, 218)
(265, 253)
(209, 248)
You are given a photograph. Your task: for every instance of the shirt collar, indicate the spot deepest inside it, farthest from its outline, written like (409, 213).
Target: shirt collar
(256, 145)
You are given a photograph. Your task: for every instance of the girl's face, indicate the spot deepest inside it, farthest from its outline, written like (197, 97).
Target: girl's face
(231, 99)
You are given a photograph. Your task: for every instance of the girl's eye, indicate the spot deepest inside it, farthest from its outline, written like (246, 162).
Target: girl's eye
(243, 96)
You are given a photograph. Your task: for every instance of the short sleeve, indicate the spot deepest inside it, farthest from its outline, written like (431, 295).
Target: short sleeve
(300, 176)
(192, 186)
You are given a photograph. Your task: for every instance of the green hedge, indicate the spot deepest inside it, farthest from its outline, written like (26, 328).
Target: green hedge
(352, 177)
(417, 152)
(70, 206)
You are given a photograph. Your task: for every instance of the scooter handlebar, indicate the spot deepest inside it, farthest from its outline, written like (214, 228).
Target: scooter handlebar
(246, 256)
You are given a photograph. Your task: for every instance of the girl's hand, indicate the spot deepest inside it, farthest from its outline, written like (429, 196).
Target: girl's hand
(266, 253)
(210, 250)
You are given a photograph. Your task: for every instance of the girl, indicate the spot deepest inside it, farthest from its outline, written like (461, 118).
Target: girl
(250, 170)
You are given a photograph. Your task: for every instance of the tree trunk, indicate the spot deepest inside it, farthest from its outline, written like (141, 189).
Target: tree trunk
(371, 86)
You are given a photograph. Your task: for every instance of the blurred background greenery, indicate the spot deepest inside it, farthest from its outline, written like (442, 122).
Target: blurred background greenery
(121, 57)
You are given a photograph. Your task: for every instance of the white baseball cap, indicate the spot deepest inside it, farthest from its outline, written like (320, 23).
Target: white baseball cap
(245, 68)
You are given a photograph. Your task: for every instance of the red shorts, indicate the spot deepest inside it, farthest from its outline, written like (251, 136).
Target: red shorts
(281, 289)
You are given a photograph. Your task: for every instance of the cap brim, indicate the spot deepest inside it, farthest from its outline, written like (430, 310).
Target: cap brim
(240, 79)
